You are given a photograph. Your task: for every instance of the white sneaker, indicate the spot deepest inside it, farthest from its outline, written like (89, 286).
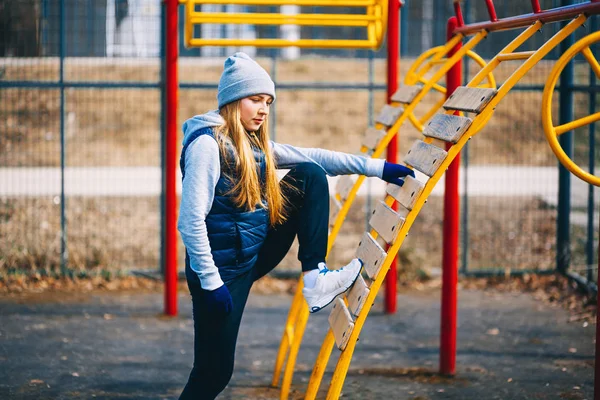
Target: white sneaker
(331, 283)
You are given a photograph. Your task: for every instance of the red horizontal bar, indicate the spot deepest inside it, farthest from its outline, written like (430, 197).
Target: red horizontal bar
(520, 21)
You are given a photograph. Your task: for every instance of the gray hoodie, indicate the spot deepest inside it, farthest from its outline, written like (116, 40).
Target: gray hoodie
(202, 172)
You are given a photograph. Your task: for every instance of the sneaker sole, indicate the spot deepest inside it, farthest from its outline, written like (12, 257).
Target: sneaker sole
(314, 309)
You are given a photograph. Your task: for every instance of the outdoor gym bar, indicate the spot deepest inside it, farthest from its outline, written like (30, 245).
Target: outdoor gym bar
(521, 21)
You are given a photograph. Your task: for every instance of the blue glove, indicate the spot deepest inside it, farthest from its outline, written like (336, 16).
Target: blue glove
(219, 300)
(393, 172)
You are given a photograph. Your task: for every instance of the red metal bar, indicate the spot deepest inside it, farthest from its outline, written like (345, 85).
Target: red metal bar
(393, 38)
(172, 83)
(451, 235)
(491, 10)
(545, 16)
(535, 5)
(458, 13)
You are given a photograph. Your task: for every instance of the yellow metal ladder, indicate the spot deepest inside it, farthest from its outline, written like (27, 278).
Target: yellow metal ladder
(375, 141)
(432, 161)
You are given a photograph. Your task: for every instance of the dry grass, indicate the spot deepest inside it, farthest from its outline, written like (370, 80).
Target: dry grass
(111, 127)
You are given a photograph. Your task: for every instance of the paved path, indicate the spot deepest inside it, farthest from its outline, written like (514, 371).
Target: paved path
(117, 346)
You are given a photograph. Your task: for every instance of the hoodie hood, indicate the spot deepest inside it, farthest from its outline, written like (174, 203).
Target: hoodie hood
(194, 124)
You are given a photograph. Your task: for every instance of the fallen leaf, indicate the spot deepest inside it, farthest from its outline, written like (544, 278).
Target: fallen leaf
(493, 331)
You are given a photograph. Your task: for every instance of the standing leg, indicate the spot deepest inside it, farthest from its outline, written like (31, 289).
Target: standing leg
(215, 338)
(307, 190)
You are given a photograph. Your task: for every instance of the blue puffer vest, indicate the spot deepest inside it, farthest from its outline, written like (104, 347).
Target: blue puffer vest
(235, 234)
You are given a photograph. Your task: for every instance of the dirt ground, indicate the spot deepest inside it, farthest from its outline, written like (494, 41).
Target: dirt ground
(516, 340)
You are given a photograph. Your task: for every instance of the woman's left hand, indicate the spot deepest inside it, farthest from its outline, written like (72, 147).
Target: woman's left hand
(393, 172)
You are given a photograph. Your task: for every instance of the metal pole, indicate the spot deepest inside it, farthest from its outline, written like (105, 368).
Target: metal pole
(563, 250)
(163, 138)
(465, 158)
(171, 158)
(491, 10)
(591, 164)
(451, 234)
(535, 5)
(64, 255)
(392, 150)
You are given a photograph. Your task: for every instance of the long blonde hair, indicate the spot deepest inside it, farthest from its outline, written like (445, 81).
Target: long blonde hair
(247, 190)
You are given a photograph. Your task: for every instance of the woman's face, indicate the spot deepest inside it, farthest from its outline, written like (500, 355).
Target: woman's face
(254, 111)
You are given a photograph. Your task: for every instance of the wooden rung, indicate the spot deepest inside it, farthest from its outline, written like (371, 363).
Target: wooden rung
(372, 138)
(344, 185)
(341, 323)
(371, 254)
(357, 296)
(389, 115)
(335, 210)
(469, 99)
(448, 128)
(386, 222)
(424, 157)
(406, 94)
(408, 193)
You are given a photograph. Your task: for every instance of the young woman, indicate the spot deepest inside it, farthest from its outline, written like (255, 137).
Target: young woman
(238, 221)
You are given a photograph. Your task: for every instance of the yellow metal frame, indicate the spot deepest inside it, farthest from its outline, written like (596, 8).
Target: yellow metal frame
(479, 121)
(552, 132)
(298, 314)
(374, 20)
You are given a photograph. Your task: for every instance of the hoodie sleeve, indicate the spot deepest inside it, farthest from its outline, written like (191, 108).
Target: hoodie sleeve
(202, 172)
(333, 162)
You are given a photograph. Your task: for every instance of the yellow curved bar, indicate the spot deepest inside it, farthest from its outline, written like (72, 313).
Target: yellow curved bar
(550, 131)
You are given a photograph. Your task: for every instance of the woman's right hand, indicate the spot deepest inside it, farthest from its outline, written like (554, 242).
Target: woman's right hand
(219, 300)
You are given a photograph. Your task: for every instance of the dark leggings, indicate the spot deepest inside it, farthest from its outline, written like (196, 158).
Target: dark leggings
(215, 336)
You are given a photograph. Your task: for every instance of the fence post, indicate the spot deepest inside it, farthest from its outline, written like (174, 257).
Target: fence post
(64, 255)
(451, 234)
(170, 155)
(563, 234)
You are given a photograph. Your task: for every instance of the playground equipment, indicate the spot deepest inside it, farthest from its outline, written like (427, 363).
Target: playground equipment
(552, 132)
(373, 21)
(348, 317)
(375, 142)
(432, 161)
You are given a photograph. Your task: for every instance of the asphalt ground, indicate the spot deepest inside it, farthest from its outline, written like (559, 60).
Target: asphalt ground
(117, 345)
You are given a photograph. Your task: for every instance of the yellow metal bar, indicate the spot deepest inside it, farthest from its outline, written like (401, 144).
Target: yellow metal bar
(578, 123)
(346, 356)
(303, 43)
(449, 45)
(283, 19)
(512, 46)
(521, 55)
(314, 3)
(299, 328)
(435, 86)
(549, 130)
(297, 302)
(589, 56)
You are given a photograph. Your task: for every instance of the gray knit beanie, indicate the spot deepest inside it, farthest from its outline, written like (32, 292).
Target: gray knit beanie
(243, 77)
